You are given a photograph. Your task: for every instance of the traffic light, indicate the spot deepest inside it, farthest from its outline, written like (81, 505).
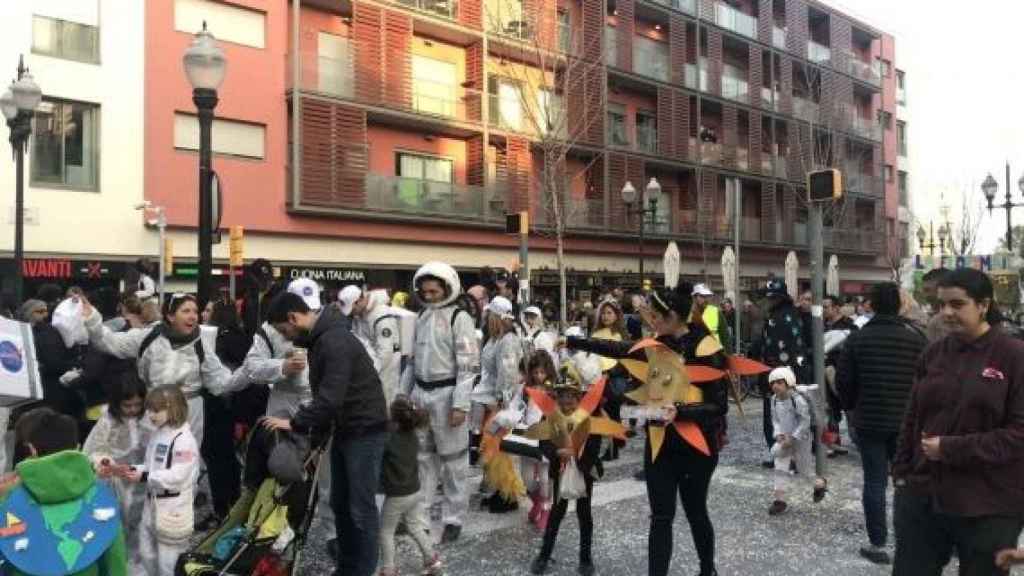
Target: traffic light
(168, 256)
(825, 185)
(236, 245)
(518, 223)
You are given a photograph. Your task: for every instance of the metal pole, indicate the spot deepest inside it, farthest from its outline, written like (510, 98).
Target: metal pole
(1009, 208)
(818, 329)
(206, 101)
(736, 240)
(642, 212)
(297, 104)
(161, 226)
(524, 269)
(18, 140)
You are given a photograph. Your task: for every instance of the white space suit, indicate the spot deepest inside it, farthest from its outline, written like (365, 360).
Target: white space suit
(379, 325)
(172, 470)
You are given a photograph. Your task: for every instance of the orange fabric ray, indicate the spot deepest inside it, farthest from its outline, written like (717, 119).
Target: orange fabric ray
(592, 399)
(699, 374)
(691, 433)
(645, 343)
(746, 367)
(541, 398)
(607, 427)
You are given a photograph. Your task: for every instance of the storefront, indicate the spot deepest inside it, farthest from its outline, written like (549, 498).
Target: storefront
(103, 280)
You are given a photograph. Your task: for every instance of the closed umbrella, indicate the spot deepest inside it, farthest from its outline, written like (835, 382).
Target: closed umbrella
(792, 267)
(729, 273)
(832, 282)
(671, 266)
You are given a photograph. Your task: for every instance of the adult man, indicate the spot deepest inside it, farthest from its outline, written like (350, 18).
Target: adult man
(711, 315)
(937, 327)
(346, 393)
(875, 374)
(351, 300)
(751, 322)
(440, 378)
(837, 328)
(866, 313)
(373, 320)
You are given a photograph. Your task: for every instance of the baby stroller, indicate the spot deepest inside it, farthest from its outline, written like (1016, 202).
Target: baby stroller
(266, 529)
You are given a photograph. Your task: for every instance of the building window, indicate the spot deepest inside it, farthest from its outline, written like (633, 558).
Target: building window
(647, 131)
(886, 68)
(506, 108)
(617, 125)
(229, 23)
(901, 138)
(901, 87)
(506, 17)
(229, 137)
(885, 119)
(902, 187)
(424, 167)
(65, 145)
(63, 39)
(564, 32)
(611, 46)
(334, 70)
(433, 86)
(888, 173)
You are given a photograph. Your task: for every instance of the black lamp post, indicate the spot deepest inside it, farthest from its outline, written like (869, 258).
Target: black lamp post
(19, 104)
(990, 187)
(927, 239)
(204, 66)
(651, 193)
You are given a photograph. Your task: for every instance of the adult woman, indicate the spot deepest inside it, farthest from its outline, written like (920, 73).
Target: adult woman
(611, 325)
(168, 353)
(961, 454)
(680, 469)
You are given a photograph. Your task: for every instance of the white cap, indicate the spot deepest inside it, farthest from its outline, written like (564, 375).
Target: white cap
(701, 290)
(308, 290)
(533, 310)
(501, 306)
(348, 296)
(784, 373)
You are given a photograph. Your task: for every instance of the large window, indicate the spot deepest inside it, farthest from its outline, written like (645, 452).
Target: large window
(564, 32)
(506, 103)
(617, 135)
(887, 171)
(506, 17)
(334, 65)
(904, 194)
(647, 131)
(901, 137)
(424, 167)
(433, 86)
(65, 145)
(63, 39)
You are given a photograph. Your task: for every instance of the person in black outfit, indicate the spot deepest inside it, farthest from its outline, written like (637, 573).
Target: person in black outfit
(680, 469)
(54, 358)
(568, 396)
(834, 320)
(348, 394)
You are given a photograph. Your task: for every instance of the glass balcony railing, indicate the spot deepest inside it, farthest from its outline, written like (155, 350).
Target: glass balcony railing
(805, 110)
(866, 128)
(732, 19)
(647, 138)
(855, 179)
(750, 229)
(651, 59)
(779, 37)
(611, 46)
(443, 8)
(436, 98)
(690, 77)
(324, 75)
(818, 53)
(688, 6)
(870, 73)
(743, 158)
(712, 153)
(735, 88)
(769, 99)
(431, 198)
(851, 240)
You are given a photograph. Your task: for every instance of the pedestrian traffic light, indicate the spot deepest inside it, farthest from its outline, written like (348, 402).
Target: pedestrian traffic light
(235, 246)
(168, 255)
(825, 185)
(518, 223)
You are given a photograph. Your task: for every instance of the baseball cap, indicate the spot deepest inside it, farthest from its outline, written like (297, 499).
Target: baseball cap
(701, 290)
(348, 296)
(500, 306)
(774, 287)
(533, 310)
(308, 290)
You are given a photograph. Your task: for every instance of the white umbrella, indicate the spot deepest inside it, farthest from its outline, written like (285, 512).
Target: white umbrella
(671, 266)
(729, 272)
(832, 281)
(792, 268)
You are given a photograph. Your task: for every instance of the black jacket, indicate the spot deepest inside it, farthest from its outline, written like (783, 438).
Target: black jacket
(783, 340)
(54, 360)
(710, 414)
(346, 388)
(399, 473)
(876, 372)
(100, 371)
(589, 462)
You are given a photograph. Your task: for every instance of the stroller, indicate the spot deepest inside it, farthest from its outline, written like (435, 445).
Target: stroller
(266, 529)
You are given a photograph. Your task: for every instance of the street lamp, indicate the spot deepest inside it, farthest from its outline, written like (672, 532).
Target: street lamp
(204, 66)
(18, 105)
(923, 238)
(651, 194)
(990, 187)
(160, 221)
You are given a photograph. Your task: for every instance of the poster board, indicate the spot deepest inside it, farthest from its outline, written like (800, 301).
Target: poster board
(19, 370)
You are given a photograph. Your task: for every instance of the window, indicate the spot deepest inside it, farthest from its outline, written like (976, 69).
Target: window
(424, 167)
(63, 39)
(65, 144)
(611, 46)
(506, 17)
(617, 125)
(228, 23)
(647, 131)
(433, 86)
(888, 173)
(886, 68)
(230, 137)
(885, 119)
(551, 114)
(564, 32)
(506, 103)
(901, 138)
(902, 188)
(901, 88)
(334, 65)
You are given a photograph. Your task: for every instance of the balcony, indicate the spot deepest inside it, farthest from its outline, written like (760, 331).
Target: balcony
(750, 229)
(735, 88)
(650, 59)
(732, 19)
(866, 128)
(901, 96)
(806, 110)
(324, 75)
(647, 138)
(690, 76)
(428, 198)
(438, 99)
(851, 240)
(779, 37)
(857, 181)
(870, 73)
(448, 9)
(818, 53)
(688, 6)
(577, 213)
(712, 153)
(770, 99)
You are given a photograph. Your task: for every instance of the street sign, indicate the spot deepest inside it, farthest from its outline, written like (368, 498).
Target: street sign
(236, 246)
(825, 185)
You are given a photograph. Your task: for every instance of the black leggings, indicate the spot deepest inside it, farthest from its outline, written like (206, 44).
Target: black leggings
(583, 515)
(679, 469)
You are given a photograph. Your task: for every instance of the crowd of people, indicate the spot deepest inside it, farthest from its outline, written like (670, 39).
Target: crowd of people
(411, 390)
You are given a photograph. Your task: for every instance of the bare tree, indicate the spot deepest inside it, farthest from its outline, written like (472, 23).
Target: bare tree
(963, 234)
(546, 66)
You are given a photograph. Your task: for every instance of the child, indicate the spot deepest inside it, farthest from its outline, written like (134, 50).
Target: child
(170, 473)
(612, 326)
(55, 474)
(118, 440)
(568, 397)
(540, 373)
(401, 484)
(791, 420)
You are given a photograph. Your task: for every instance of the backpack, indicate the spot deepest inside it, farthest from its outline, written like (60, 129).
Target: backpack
(266, 340)
(810, 407)
(158, 331)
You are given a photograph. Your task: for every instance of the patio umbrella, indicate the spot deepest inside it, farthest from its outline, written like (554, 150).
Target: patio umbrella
(832, 281)
(729, 272)
(671, 266)
(792, 267)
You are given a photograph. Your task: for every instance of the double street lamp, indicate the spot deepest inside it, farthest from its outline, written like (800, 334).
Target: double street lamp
(19, 103)
(642, 208)
(990, 187)
(927, 239)
(205, 65)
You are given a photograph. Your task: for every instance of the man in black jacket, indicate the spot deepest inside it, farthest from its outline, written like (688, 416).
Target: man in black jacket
(348, 394)
(874, 378)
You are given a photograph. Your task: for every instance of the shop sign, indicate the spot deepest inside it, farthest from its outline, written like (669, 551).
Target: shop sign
(326, 274)
(63, 268)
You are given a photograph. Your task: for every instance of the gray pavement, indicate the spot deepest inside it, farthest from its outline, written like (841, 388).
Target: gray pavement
(810, 539)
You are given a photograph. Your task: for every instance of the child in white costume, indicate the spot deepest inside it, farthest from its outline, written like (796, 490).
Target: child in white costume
(791, 420)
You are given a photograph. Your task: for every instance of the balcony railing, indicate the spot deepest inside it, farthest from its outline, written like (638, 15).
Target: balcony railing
(429, 198)
(750, 229)
(509, 113)
(901, 96)
(443, 8)
(866, 128)
(577, 213)
(324, 75)
(870, 73)
(690, 76)
(436, 98)
(651, 59)
(769, 99)
(858, 240)
(743, 159)
(818, 53)
(806, 110)
(647, 138)
(779, 37)
(712, 153)
(688, 6)
(735, 88)
(860, 182)
(732, 19)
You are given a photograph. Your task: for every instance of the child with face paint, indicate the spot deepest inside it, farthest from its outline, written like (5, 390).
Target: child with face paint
(170, 473)
(117, 441)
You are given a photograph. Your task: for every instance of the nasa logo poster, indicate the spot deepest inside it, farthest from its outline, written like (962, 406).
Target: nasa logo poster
(19, 371)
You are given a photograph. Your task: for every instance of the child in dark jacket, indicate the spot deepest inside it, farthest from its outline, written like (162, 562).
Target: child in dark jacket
(400, 482)
(568, 397)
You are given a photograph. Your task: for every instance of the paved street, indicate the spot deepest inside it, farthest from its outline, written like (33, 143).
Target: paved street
(808, 540)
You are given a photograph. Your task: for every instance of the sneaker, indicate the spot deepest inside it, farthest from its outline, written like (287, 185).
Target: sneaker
(539, 565)
(451, 533)
(819, 493)
(875, 554)
(586, 568)
(777, 507)
(433, 567)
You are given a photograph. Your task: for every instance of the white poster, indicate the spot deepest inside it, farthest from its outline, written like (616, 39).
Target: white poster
(19, 371)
